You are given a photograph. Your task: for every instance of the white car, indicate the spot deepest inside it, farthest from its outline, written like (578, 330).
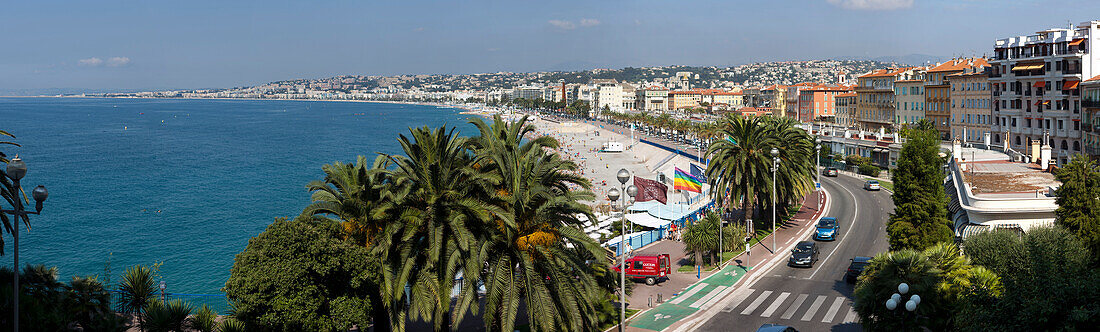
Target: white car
(872, 185)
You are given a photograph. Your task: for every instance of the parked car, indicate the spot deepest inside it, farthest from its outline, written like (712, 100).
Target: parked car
(651, 269)
(775, 328)
(872, 185)
(827, 228)
(855, 268)
(831, 171)
(803, 254)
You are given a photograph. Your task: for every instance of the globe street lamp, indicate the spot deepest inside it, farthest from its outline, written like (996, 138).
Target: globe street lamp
(15, 171)
(896, 299)
(613, 195)
(775, 167)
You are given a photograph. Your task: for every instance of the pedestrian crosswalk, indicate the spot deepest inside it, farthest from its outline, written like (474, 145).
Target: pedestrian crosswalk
(826, 309)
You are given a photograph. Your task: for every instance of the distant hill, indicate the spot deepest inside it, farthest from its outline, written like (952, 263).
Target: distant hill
(909, 59)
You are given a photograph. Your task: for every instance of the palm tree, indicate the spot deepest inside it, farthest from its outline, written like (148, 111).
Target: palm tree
(442, 217)
(794, 178)
(530, 258)
(7, 191)
(702, 238)
(741, 163)
(136, 290)
(355, 195)
(166, 317)
(204, 320)
(88, 302)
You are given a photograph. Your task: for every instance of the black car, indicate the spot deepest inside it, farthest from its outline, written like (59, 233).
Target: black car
(854, 269)
(831, 171)
(803, 254)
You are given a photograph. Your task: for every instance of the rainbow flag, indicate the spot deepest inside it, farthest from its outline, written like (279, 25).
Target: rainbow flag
(685, 181)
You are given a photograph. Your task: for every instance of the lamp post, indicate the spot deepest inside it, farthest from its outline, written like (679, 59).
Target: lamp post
(817, 162)
(613, 195)
(895, 299)
(775, 167)
(15, 171)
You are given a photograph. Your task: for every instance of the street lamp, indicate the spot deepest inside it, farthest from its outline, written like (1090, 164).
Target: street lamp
(15, 171)
(163, 296)
(613, 195)
(817, 163)
(895, 299)
(775, 167)
(623, 175)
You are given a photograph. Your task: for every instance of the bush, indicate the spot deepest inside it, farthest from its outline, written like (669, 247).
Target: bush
(49, 305)
(856, 160)
(869, 170)
(302, 276)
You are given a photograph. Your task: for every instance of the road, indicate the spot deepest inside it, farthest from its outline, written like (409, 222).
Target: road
(817, 298)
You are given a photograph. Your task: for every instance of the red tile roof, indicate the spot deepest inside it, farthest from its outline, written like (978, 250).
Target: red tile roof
(1093, 79)
(959, 65)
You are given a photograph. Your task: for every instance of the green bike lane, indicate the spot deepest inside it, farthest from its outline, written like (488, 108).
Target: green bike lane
(701, 295)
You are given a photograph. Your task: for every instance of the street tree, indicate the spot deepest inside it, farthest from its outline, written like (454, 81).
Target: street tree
(920, 219)
(1079, 201)
(701, 239)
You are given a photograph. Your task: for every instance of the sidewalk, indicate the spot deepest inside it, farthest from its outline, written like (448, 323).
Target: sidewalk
(707, 292)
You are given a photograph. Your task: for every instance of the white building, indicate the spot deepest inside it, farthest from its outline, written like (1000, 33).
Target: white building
(1035, 87)
(609, 94)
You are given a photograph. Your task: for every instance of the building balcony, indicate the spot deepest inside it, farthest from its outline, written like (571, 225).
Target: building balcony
(1090, 103)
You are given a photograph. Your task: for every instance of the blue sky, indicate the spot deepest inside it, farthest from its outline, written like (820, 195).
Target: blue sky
(197, 44)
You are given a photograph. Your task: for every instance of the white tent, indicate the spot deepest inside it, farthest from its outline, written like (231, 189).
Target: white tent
(647, 220)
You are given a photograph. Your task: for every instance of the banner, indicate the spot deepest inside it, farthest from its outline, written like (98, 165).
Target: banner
(698, 172)
(649, 190)
(686, 182)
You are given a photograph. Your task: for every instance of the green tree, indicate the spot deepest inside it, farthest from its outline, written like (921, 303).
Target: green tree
(166, 317)
(701, 238)
(445, 215)
(1079, 201)
(302, 276)
(1048, 282)
(47, 304)
(355, 195)
(205, 320)
(939, 275)
(530, 259)
(919, 220)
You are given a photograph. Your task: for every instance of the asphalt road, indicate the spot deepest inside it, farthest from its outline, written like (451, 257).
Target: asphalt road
(817, 298)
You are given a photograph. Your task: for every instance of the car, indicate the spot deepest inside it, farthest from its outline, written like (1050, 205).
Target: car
(775, 328)
(872, 185)
(652, 269)
(827, 228)
(803, 254)
(831, 171)
(855, 268)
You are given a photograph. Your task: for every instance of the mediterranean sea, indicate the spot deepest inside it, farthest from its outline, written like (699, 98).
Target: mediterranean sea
(182, 182)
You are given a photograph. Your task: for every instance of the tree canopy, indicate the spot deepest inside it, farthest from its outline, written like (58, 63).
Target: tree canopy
(919, 220)
(1079, 201)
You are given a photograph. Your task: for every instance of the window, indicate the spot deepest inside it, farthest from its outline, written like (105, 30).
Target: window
(637, 265)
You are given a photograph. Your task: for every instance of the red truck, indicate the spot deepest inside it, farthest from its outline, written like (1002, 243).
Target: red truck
(651, 268)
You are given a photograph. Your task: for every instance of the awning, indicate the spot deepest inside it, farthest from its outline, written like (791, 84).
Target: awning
(647, 220)
(1040, 84)
(1038, 102)
(1076, 42)
(1070, 85)
(1028, 67)
(971, 229)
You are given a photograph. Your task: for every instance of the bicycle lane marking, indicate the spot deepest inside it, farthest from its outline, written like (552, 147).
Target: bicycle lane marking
(668, 313)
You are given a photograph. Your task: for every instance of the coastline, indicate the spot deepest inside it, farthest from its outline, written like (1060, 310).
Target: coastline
(462, 107)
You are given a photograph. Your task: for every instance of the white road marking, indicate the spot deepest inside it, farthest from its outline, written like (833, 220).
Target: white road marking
(689, 293)
(832, 310)
(713, 293)
(855, 216)
(738, 298)
(775, 304)
(813, 308)
(714, 300)
(852, 316)
(790, 240)
(756, 303)
(794, 306)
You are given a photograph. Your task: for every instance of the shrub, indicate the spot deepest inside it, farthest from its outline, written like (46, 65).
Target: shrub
(869, 170)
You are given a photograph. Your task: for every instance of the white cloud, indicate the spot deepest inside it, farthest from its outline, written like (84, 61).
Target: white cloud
(872, 4)
(118, 61)
(566, 25)
(589, 22)
(90, 62)
(420, 29)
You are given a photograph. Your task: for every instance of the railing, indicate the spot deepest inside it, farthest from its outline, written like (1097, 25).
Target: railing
(647, 238)
(1090, 103)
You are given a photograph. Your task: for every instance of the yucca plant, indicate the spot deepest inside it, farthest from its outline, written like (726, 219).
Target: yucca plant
(161, 317)
(231, 325)
(136, 290)
(205, 320)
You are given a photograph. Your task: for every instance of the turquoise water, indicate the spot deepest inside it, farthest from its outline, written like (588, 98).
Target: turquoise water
(188, 182)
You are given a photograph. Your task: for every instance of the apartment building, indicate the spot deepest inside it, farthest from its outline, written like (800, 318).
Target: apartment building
(909, 98)
(774, 97)
(717, 98)
(1035, 80)
(845, 105)
(971, 114)
(608, 95)
(630, 97)
(1090, 107)
(937, 91)
(792, 106)
(818, 103)
(652, 99)
(875, 97)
